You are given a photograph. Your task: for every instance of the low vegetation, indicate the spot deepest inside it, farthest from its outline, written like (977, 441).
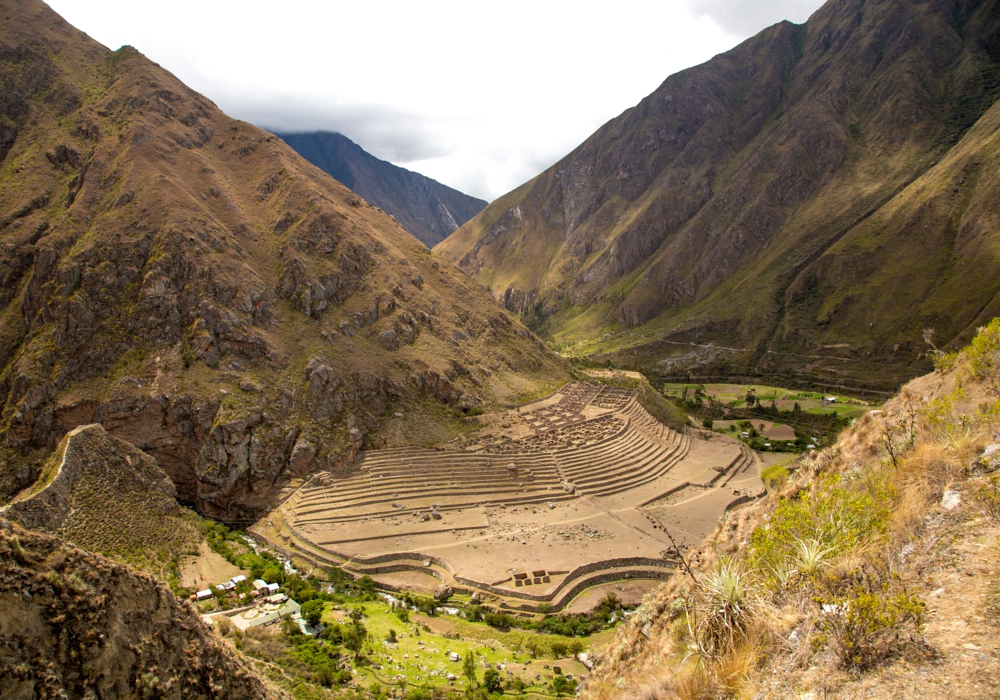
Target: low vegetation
(815, 575)
(375, 646)
(813, 418)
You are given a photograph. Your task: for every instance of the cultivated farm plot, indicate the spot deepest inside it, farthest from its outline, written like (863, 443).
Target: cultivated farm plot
(809, 401)
(769, 429)
(528, 520)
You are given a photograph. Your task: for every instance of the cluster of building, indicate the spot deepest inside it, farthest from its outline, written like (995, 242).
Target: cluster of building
(228, 588)
(265, 606)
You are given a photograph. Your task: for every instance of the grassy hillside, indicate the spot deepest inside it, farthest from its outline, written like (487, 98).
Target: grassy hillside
(807, 204)
(843, 580)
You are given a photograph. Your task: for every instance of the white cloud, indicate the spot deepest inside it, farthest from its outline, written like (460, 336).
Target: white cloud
(744, 18)
(481, 97)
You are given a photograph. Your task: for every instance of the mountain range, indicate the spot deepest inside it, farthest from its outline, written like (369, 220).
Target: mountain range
(424, 207)
(192, 284)
(803, 206)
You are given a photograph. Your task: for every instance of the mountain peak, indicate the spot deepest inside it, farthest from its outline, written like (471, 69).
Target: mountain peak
(424, 207)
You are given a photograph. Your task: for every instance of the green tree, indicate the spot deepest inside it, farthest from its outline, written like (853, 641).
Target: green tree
(558, 649)
(273, 574)
(312, 611)
(533, 647)
(491, 681)
(469, 668)
(354, 636)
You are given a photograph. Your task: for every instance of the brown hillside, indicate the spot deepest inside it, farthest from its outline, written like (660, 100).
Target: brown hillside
(808, 202)
(190, 283)
(75, 625)
(869, 570)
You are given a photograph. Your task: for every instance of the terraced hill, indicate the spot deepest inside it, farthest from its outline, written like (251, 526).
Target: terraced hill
(803, 205)
(582, 494)
(193, 285)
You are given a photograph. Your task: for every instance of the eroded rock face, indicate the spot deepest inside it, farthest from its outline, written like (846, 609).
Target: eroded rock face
(73, 624)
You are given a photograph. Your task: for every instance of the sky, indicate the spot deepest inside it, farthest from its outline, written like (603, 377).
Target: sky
(481, 96)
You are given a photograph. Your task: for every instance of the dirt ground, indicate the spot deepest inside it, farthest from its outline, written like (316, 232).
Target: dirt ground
(207, 569)
(410, 581)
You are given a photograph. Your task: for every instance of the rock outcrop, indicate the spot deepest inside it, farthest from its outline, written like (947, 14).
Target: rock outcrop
(75, 625)
(107, 496)
(191, 284)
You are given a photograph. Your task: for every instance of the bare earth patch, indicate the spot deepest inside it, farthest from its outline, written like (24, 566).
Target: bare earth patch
(207, 569)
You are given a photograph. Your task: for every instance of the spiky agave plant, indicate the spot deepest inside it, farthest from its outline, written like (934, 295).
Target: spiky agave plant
(729, 603)
(810, 557)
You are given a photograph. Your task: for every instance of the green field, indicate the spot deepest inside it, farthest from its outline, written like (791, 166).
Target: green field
(734, 395)
(420, 656)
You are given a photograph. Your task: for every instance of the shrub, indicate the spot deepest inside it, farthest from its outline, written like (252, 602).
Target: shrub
(868, 627)
(987, 494)
(727, 605)
(774, 476)
(561, 685)
(840, 515)
(983, 355)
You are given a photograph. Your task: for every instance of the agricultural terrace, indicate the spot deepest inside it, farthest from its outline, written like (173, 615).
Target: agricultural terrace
(570, 492)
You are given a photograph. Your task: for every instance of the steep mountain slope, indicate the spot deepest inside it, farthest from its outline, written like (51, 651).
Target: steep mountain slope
(424, 207)
(193, 285)
(808, 202)
(74, 625)
(108, 497)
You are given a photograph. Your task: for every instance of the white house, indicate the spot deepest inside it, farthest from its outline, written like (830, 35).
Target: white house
(203, 595)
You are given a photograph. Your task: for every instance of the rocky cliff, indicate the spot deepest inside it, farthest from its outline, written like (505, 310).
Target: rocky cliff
(190, 283)
(424, 207)
(808, 202)
(74, 625)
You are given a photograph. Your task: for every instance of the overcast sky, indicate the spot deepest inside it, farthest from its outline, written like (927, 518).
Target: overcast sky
(480, 96)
